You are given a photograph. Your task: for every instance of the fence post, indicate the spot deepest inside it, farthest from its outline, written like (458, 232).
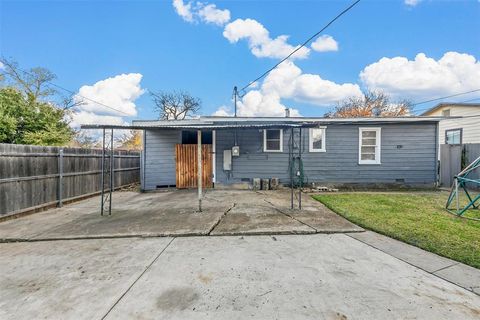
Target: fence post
(60, 178)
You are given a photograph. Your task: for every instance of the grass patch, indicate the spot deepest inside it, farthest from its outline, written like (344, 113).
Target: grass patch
(415, 218)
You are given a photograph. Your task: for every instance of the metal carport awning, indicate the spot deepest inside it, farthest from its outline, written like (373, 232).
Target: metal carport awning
(200, 127)
(108, 148)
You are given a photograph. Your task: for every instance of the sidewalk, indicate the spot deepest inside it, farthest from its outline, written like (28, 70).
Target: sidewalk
(455, 272)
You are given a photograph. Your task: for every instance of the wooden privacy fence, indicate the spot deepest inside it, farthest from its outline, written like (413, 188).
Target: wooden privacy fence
(32, 177)
(186, 165)
(453, 158)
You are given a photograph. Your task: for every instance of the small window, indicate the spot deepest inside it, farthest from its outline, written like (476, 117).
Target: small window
(273, 140)
(446, 113)
(317, 140)
(369, 146)
(453, 136)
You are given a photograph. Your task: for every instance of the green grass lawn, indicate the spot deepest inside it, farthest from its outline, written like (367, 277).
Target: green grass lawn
(417, 218)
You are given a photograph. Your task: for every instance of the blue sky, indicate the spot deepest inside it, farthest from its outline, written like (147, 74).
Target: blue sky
(90, 44)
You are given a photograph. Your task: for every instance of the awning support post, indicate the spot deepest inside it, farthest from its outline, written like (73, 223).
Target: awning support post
(102, 178)
(108, 170)
(199, 169)
(300, 170)
(291, 167)
(112, 173)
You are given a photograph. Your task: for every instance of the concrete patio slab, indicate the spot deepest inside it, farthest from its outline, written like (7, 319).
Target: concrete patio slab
(246, 219)
(322, 220)
(150, 223)
(174, 213)
(70, 279)
(289, 277)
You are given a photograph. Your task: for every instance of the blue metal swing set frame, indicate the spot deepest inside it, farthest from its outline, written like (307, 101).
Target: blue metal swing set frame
(459, 185)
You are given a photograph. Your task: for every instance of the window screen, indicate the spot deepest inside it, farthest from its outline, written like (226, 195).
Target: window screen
(273, 140)
(369, 152)
(317, 139)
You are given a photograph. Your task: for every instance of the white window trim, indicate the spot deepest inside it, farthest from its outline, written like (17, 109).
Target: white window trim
(324, 140)
(378, 145)
(265, 141)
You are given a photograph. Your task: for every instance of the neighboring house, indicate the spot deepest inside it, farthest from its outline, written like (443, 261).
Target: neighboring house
(457, 130)
(334, 151)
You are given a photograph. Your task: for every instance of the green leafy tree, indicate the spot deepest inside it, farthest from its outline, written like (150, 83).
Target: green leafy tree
(24, 120)
(28, 112)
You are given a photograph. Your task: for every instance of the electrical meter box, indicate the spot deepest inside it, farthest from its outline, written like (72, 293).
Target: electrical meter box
(235, 151)
(227, 160)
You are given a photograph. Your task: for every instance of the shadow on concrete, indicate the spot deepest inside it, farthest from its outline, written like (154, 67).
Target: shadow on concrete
(175, 213)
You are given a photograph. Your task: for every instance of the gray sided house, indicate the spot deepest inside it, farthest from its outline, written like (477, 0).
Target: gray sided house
(334, 151)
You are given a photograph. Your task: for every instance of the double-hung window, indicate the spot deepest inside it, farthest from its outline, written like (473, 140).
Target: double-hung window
(369, 146)
(453, 136)
(317, 142)
(273, 140)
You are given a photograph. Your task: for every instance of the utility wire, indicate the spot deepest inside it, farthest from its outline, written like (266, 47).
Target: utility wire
(301, 46)
(73, 93)
(455, 102)
(441, 98)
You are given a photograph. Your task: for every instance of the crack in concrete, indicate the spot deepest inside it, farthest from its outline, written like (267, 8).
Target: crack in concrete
(138, 278)
(220, 219)
(290, 216)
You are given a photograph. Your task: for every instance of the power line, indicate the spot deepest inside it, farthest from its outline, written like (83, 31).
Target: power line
(450, 96)
(301, 46)
(73, 93)
(456, 102)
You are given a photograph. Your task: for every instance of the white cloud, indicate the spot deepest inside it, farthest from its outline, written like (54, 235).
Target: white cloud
(119, 92)
(412, 3)
(194, 11)
(211, 14)
(183, 10)
(1, 65)
(258, 37)
(423, 77)
(259, 40)
(223, 111)
(86, 117)
(288, 82)
(325, 43)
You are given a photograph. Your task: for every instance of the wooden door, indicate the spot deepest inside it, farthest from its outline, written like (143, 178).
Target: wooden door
(186, 165)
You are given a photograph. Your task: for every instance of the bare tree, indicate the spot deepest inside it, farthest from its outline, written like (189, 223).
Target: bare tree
(83, 140)
(370, 104)
(33, 82)
(175, 105)
(130, 141)
(71, 102)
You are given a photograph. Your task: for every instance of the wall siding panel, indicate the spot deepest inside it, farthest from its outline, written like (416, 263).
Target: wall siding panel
(415, 161)
(408, 152)
(159, 157)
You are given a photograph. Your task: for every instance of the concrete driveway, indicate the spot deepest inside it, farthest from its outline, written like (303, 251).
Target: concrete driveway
(155, 257)
(317, 276)
(174, 213)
